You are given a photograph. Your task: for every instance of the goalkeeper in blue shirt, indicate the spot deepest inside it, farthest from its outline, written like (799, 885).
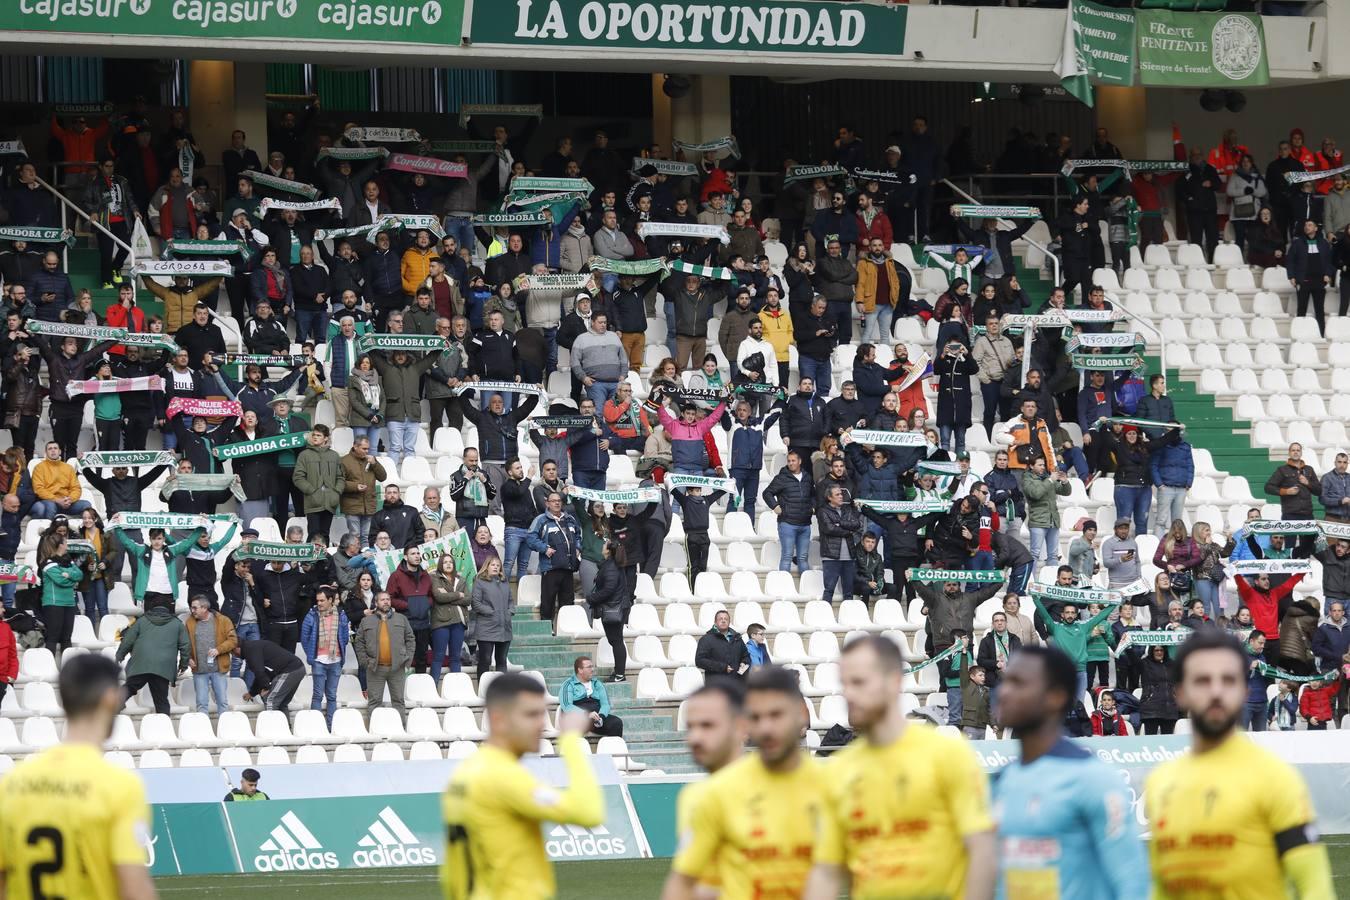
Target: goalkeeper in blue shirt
(1065, 822)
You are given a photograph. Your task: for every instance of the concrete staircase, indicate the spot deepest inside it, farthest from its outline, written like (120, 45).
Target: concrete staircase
(648, 726)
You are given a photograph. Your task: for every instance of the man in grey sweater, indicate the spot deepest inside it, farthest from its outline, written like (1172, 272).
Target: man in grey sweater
(599, 360)
(611, 243)
(1120, 555)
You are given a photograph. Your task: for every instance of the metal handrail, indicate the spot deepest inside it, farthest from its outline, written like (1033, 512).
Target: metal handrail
(66, 202)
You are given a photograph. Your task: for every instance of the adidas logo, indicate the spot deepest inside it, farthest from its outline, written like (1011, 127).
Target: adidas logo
(390, 842)
(292, 847)
(573, 841)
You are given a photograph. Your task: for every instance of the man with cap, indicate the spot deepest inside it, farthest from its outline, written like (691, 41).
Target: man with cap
(255, 394)
(282, 421)
(249, 778)
(240, 228)
(574, 325)
(1120, 555)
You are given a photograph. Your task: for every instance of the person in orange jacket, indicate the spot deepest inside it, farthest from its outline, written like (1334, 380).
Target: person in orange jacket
(1329, 157)
(79, 143)
(1301, 151)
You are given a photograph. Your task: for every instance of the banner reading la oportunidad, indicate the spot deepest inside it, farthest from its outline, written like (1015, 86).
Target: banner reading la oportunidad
(1220, 50)
(719, 26)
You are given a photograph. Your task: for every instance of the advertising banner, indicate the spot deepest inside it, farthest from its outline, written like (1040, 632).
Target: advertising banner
(722, 27)
(1191, 49)
(394, 21)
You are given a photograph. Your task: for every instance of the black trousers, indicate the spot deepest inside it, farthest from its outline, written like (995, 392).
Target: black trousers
(653, 541)
(159, 690)
(487, 650)
(25, 435)
(610, 726)
(284, 635)
(1127, 673)
(135, 429)
(319, 523)
(421, 646)
(109, 433)
(614, 634)
(1098, 673)
(900, 586)
(236, 288)
(992, 393)
(59, 624)
(154, 599)
(1203, 226)
(697, 542)
(1315, 290)
(1159, 726)
(283, 688)
(66, 432)
(110, 255)
(447, 407)
(1076, 272)
(287, 495)
(555, 592)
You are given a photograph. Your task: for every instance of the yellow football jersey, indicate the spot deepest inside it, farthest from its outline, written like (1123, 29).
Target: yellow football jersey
(898, 815)
(68, 819)
(759, 826)
(1215, 818)
(688, 798)
(493, 807)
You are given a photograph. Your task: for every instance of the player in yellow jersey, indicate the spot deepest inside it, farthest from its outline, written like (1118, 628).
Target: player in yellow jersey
(758, 816)
(71, 824)
(493, 806)
(715, 734)
(1230, 819)
(908, 813)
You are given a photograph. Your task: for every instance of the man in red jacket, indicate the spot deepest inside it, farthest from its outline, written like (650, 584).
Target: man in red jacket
(125, 314)
(1264, 601)
(1328, 158)
(409, 590)
(9, 658)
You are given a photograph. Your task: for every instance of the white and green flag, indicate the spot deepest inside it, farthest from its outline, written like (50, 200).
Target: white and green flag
(1098, 48)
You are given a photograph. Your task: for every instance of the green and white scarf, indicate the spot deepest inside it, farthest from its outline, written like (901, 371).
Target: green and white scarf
(631, 495)
(464, 146)
(945, 654)
(270, 203)
(807, 173)
(1156, 638)
(66, 329)
(1138, 423)
(913, 507)
(723, 145)
(501, 387)
(35, 235)
(875, 438)
(413, 343)
(1251, 568)
(206, 248)
(383, 135)
(167, 521)
(1301, 177)
(665, 166)
(274, 444)
(683, 229)
(507, 219)
(717, 273)
(961, 576)
(1098, 362)
(148, 339)
(211, 483)
(1281, 675)
(352, 153)
(980, 211)
(271, 551)
(552, 185)
(188, 268)
(1076, 595)
(282, 360)
(469, 110)
(102, 459)
(12, 148)
(675, 480)
(635, 267)
(262, 179)
(1129, 165)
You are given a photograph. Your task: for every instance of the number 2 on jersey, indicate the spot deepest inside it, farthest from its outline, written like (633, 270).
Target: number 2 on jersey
(49, 867)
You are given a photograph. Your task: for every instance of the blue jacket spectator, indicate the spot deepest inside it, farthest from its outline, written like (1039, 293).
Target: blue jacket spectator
(1330, 642)
(546, 248)
(309, 633)
(49, 282)
(562, 535)
(1335, 488)
(1173, 465)
(573, 690)
(870, 379)
(1093, 403)
(1129, 391)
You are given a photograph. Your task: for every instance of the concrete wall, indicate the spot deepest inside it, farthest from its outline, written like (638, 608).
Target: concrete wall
(1266, 120)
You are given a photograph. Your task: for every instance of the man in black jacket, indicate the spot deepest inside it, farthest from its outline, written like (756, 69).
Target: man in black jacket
(848, 410)
(400, 520)
(721, 653)
(995, 649)
(280, 589)
(276, 672)
(139, 408)
(792, 498)
(1076, 237)
(906, 543)
(815, 334)
(1198, 193)
(1295, 484)
(804, 419)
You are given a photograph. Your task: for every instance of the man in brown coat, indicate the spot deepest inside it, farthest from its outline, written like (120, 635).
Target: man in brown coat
(360, 474)
(181, 298)
(211, 640)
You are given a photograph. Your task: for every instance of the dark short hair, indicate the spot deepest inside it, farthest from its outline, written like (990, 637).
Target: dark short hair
(322, 428)
(775, 679)
(730, 690)
(1207, 638)
(504, 689)
(250, 775)
(576, 663)
(887, 651)
(1060, 672)
(84, 681)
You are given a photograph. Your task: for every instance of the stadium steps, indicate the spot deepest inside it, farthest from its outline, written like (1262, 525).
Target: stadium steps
(83, 271)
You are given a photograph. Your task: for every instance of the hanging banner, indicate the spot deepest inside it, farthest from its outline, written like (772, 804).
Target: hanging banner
(961, 576)
(271, 551)
(411, 342)
(36, 235)
(1098, 48)
(427, 165)
(383, 135)
(913, 507)
(1251, 568)
(1201, 50)
(676, 480)
(720, 147)
(352, 154)
(66, 329)
(206, 248)
(669, 167)
(718, 273)
(96, 459)
(184, 268)
(632, 495)
(884, 438)
(210, 409)
(262, 179)
(501, 387)
(274, 444)
(94, 386)
(167, 521)
(270, 203)
(469, 110)
(979, 211)
(808, 173)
